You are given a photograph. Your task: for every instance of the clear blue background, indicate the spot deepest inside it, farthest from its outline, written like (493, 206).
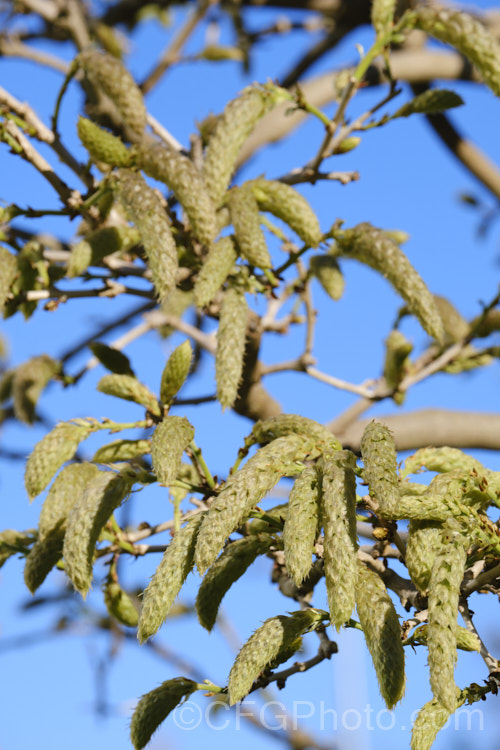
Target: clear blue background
(55, 690)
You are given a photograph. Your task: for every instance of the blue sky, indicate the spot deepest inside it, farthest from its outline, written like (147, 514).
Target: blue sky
(49, 691)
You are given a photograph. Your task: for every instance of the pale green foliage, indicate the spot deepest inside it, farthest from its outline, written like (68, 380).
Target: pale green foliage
(382, 631)
(176, 564)
(161, 161)
(243, 490)
(338, 516)
(170, 440)
(130, 389)
(57, 447)
(176, 371)
(29, 380)
(145, 209)
(273, 637)
(231, 337)
(327, 270)
(455, 326)
(430, 102)
(8, 271)
(466, 640)
(121, 450)
(468, 35)
(444, 589)
(92, 509)
(374, 248)
(396, 364)
(120, 605)
(227, 569)
(301, 526)
(216, 268)
(155, 706)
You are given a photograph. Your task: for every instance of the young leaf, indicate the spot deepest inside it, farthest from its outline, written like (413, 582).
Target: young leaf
(57, 447)
(243, 490)
(175, 372)
(327, 270)
(227, 569)
(93, 508)
(382, 631)
(176, 564)
(120, 605)
(130, 389)
(301, 526)
(113, 359)
(372, 247)
(170, 439)
(429, 103)
(338, 515)
(8, 272)
(99, 244)
(231, 337)
(155, 706)
(121, 450)
(29, 380)
(273, 637)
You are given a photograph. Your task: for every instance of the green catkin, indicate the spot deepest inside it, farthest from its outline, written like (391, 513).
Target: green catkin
(301, 526)
(397, 351)
(266, 430)
(423, 539)
(441, 460)
(154, 707)
(231, 337)
(383, 15)
(57, 447)
(431, 718)
(120, 605)
(338, 515)
(8, 272)
(93, 508)
(468, 35)
(30, 379)
(176, 564)
(430, 102)
(245, 218)
(113, 359)
(287, 204)
(175, 372)
(101, 145)
(371, 246)
(262, 648)
(382, 631)
(121, 450)
(170, 439)
(108, 74)
(99, 244)
(231, 131)
(130, 389)
(227, 569)
(455, 326)
(327, 270)
(63, 494)
(145, 209)
(244, 490)
(164, 163)
(380, 466)
(216, 268)
(444, 590)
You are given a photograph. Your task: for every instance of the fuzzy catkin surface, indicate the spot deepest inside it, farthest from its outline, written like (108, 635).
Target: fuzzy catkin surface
(243, 491)
(338, 515)
(245, 218)
(216, 267)
(373, 247)
(380, 465)
(174, 568)
(170, 439)
(155, 706)
(231, 337)
(287, 204)
(145, 209)
(382, 631)
(444, 589)
(301, 525)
